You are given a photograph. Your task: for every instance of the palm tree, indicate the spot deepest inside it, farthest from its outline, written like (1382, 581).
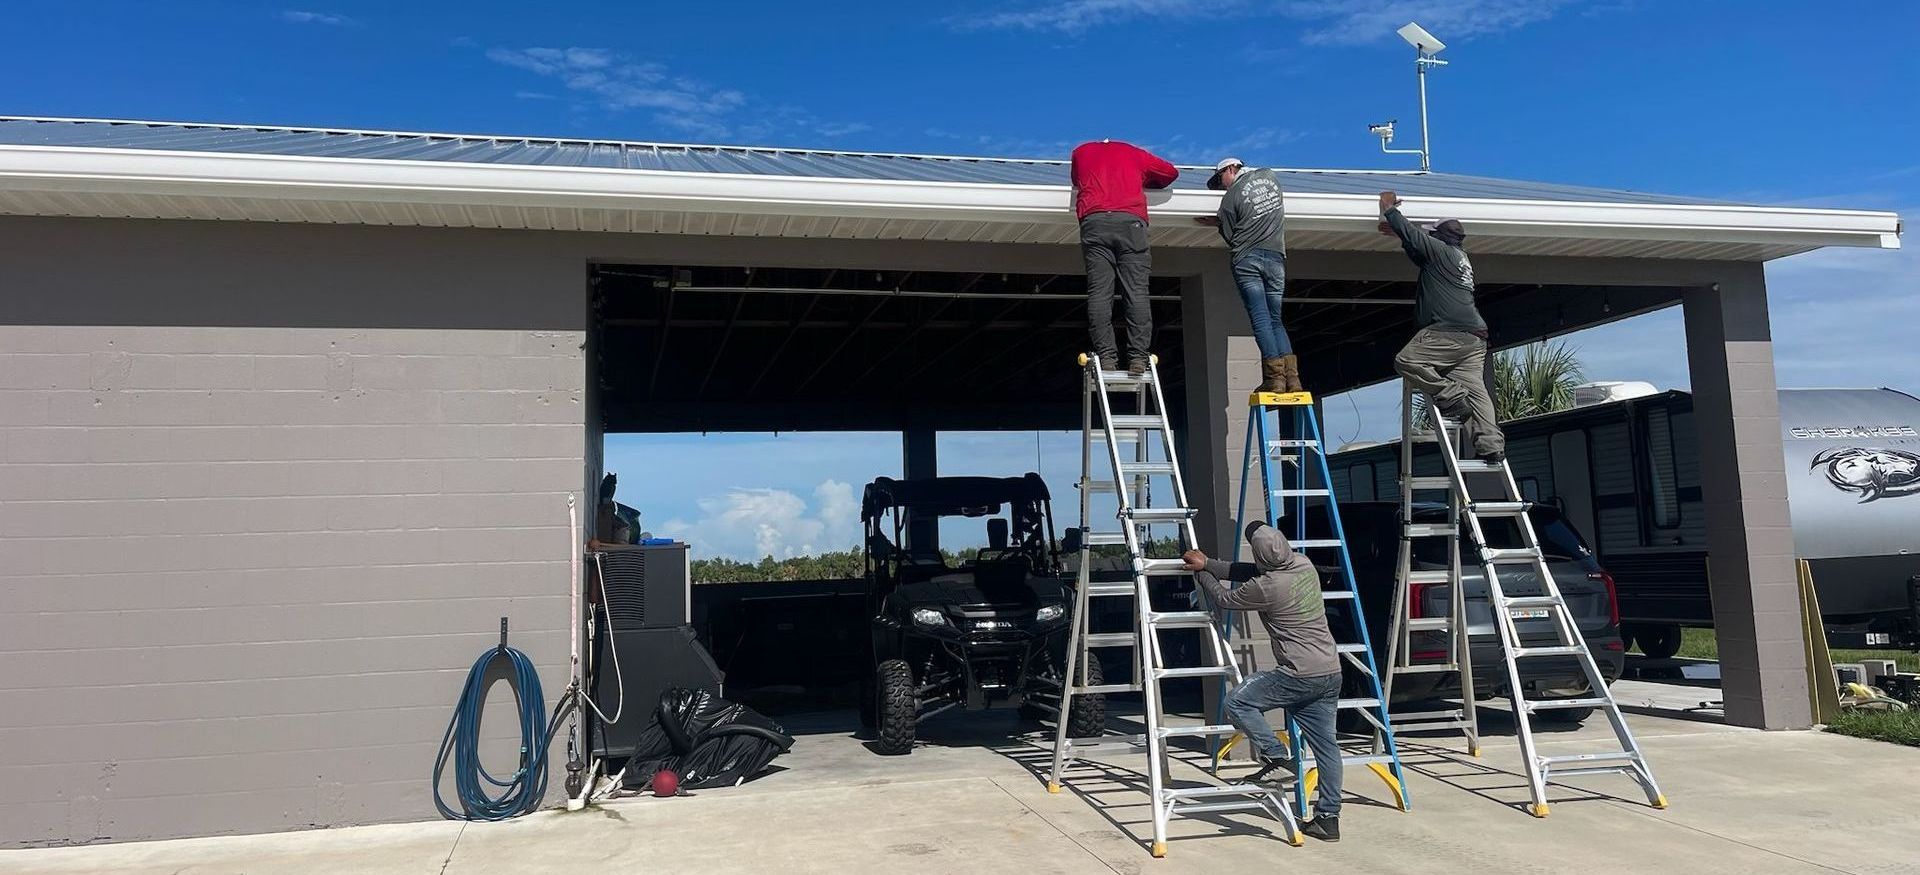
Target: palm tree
(1539, 379)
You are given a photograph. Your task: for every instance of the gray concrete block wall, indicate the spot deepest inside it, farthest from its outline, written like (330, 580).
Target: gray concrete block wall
(244, 567)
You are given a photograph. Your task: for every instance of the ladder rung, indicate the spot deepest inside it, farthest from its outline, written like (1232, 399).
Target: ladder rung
(1564, 650)
(1163, 566)
(1597, 770)
(1609, 757)
(1498, 508)
(1532, 601)
(1171, 794)
(1190, 731)
(1110, 590)
(1136, 421)
(1428, 530)
(1107, 688)
(1109, 639)
(1427, 669)
(1300, 493)
(1334, 595)
(1556, 704)
(1147, 468)
(1097, 742)
(1201, 671)
(1107, 486)
(1313, 543)
(1430, 482)
(1120, 434)
(1292, 443)
(1511, 555)
(1429, 577)
(1422, 716)
(1359, 759)
(1362, 702)
(1183, 810)
(1429, 624)
(1351, 648)
(1180, 620)
(1475, 466)
(1158, 514)
(1106, 539)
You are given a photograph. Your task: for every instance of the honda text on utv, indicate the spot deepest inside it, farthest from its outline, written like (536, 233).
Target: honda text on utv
(985, 632)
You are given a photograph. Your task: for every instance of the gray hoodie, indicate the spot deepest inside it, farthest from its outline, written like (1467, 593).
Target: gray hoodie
(1283, 587)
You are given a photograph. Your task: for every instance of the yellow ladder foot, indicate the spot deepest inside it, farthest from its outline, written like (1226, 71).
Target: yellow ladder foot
(1538, 809)
(1159, 849)
(1660, 801)
(1053, 787)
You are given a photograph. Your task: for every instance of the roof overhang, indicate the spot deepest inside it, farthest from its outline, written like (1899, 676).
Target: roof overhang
(158, 184)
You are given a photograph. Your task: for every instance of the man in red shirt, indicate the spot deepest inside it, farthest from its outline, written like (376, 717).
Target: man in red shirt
(1110, 179)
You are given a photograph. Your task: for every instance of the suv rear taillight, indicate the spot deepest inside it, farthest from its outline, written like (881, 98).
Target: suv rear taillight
(1613, 595)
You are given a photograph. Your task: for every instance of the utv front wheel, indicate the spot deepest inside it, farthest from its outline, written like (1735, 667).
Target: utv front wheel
(1089, 717)
(895, 707)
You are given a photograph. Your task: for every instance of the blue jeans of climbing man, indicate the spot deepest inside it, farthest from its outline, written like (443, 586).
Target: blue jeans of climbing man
(1261, 275)
(1313, 702)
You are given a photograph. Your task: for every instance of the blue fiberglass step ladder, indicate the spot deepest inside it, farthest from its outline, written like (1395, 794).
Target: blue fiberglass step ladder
(1293, 471)
(1145, 428)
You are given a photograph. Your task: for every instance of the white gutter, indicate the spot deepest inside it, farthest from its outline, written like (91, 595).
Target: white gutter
(163, 174)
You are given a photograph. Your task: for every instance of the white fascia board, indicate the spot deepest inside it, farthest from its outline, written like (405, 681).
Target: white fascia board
(160, 173)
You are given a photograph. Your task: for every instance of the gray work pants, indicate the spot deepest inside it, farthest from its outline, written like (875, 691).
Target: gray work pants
(1115, 246)
(1450, 367)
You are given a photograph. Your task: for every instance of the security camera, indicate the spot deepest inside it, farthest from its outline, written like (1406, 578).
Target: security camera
(1383, 130)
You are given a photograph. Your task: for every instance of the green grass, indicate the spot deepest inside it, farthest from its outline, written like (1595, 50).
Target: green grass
(1700, 644)
(1897, 727)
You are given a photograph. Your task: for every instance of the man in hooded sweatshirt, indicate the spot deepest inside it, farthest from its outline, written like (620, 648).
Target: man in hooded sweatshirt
(1446, 359)
(1284, 589)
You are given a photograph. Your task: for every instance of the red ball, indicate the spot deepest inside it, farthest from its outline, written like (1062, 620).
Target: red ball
(666, 782)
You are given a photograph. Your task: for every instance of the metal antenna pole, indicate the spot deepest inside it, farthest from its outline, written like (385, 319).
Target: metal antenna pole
(1426, 146)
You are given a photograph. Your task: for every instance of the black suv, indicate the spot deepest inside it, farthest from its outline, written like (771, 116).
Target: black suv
(985, 632)
(1373, 536)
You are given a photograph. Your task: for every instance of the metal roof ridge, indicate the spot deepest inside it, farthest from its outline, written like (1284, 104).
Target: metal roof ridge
(642, 144)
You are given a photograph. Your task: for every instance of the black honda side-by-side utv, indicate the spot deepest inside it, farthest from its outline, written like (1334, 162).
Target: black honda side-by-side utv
(986, 632)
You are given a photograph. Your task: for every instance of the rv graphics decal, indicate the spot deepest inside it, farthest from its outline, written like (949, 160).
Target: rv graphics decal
(1873, 472)
(1858, 431)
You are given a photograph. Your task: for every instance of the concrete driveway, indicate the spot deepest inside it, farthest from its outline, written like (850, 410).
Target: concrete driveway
(969, 801)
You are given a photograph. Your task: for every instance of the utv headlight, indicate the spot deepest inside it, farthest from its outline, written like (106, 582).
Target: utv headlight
(1049, 613)
(930, 617)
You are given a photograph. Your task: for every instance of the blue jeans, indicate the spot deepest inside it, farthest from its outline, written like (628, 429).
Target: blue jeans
(1313, 703)
(1261, 275)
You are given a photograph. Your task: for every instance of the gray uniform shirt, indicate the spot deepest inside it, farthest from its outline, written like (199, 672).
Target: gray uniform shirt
(1283, 587)
(1252, 214)
(1444, 300)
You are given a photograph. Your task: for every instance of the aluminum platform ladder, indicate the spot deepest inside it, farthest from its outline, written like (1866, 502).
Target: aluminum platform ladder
(1293, 473)
(1410, 601)
(1498, 497)
(1144, 428)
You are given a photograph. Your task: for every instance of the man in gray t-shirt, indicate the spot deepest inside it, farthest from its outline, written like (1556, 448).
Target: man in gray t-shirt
(1252, 221)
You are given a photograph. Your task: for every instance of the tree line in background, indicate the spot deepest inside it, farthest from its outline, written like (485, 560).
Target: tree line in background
(1539, 379)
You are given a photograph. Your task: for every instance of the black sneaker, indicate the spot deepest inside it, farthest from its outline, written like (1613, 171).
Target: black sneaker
(1494, 458)
(1268, 765)
(1326, 829)
(1137, 366)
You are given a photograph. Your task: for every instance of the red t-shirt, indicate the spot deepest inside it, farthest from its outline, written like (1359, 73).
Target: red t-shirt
(1111, 176)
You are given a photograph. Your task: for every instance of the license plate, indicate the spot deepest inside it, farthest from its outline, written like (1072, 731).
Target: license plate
(1527, 613)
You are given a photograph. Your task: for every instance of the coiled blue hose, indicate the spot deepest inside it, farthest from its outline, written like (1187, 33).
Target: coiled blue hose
(527, 786)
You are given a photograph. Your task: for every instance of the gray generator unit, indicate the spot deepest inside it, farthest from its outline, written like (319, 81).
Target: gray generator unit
(644, 643)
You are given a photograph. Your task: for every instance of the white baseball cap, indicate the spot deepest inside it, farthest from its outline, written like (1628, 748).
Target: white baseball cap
(1213, 181)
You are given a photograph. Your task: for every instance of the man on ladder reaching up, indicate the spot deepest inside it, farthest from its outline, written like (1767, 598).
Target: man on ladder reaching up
(1283, 587)
(1446, 359)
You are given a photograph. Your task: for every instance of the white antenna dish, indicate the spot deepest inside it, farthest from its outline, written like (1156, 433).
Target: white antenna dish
(1426, 45)
(1417, 36)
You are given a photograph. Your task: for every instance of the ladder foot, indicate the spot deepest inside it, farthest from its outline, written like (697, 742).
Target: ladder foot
(1539, 809)
(1053, 787)
(1660, 800)
(1474, 751)
(1159, 849)
(1393, 784)
(1297, 839)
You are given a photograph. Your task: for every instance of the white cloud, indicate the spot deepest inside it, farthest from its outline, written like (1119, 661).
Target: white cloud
(750, 523)
(1362, 21)
(1073, 16)
(618, 83)
(1252, 147)
(298, 16)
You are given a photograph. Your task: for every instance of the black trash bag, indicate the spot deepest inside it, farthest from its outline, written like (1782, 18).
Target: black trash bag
(706, 740)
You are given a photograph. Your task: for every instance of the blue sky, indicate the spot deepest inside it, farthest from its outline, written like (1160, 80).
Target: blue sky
(1772, 102)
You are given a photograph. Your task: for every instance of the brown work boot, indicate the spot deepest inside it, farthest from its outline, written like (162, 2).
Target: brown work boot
(1273, 376)
(1137, 365)
(1290, 368)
